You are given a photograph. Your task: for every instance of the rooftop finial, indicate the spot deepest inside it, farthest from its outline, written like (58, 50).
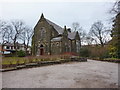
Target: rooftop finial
(42, 16)
(65, 31)
(65, 27)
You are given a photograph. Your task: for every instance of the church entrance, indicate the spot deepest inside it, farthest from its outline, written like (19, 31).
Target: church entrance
(41, 50)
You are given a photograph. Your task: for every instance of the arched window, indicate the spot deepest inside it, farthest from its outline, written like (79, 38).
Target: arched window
(57, 44)
(42, 33)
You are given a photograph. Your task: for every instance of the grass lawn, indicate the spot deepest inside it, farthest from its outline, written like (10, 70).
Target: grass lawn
(23, 60)
(111, 59)
(12, 60)
(108, 59)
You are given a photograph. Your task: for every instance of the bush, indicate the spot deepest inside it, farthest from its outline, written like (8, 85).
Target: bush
(99, 52)
(105, 54)
(112, 51)
(84, 52)
(21, 53)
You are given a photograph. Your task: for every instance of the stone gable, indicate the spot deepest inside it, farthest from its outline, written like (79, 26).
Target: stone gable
(50, 38)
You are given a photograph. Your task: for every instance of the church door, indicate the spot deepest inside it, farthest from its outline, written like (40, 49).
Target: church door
(41, 50)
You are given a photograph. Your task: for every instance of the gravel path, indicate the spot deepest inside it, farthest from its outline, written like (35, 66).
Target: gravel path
(91, 74)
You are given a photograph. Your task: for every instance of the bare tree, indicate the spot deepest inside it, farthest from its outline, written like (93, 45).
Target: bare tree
(2, 31)
(76, 27)
(17, 28)
(26, 37)
(99, 32)
(82, 35)
(14, 31)
(5, 30)
(116, 7)
(8, 32)
(89, 40)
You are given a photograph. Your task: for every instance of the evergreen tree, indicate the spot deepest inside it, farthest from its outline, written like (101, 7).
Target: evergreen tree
(116, 33)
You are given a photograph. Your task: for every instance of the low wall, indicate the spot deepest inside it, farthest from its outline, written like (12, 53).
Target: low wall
(114, 61)
(41, 63)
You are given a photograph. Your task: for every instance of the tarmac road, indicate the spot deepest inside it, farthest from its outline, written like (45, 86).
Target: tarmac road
(91, 74)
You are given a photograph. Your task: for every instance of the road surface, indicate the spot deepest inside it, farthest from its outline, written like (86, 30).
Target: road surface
(91, 74)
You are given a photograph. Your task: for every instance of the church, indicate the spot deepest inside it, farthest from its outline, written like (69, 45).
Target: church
(51, 39)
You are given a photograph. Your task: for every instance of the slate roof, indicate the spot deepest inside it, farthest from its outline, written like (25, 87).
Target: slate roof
(8, 44)
(11, 44)
(71, 35)
(56, 39)
(60, 31)
(57, 27)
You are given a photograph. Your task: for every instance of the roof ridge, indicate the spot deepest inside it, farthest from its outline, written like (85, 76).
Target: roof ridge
(52, 22)
(58, 28)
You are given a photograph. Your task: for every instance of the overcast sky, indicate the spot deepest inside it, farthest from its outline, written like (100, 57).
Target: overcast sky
(61, 13)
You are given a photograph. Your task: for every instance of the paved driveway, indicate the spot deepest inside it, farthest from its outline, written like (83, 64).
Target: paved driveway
(91, 74)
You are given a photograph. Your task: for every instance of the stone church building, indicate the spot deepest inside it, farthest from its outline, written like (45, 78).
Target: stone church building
(51, 39)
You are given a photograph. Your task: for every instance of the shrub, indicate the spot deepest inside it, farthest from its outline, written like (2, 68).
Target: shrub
(112, 51)
(106, 54)
(99, 52)
(84, 52)
(21, 53)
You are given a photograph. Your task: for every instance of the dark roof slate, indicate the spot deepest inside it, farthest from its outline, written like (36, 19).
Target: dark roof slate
(57, 39)
(57, 27)
(71, 35)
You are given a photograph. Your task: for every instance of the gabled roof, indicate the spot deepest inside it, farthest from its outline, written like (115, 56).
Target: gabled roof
(11, 44)
(57, 27)
(60, 30)
(71, 35)
(56, 39)
(8, 44)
